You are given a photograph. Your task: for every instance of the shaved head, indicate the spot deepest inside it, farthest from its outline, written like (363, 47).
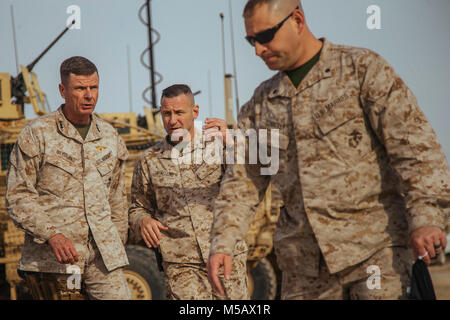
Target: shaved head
(279, 7)
(279, 33)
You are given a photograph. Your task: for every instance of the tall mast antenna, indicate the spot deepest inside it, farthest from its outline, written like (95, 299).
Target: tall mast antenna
(234, 61)
(223, 45)
(130, 93)
(152, 67)
(15, 41)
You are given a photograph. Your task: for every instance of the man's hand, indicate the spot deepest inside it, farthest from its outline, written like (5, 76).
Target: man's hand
(63, 249)
(215, 127)
(150, 231)
(215, 261)
(427, 242)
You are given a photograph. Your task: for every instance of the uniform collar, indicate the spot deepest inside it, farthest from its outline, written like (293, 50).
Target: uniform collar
(321, 70)
(67, 129)
(166, 149)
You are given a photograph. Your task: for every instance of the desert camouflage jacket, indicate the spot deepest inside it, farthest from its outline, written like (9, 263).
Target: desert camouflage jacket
(58, 183)
(359, 165)
(178, 187)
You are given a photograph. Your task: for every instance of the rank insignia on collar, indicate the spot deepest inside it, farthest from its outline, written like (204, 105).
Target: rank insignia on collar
(100, 148)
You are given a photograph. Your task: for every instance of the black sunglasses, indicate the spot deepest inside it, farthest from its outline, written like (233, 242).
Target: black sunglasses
(268, 34)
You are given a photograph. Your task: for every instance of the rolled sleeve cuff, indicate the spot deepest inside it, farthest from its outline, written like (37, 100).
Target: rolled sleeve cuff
(123, 235)
(423, 216)
(135, 224)
(222, 245)
(44, 235)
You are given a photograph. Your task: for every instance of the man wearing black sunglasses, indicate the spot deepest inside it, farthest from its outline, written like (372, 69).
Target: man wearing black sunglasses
(361, 171)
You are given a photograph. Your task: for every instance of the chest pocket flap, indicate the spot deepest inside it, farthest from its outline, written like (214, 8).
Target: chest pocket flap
(330, 118)
(206, 170)
(61, 163)
(105, 167)
(163, 178)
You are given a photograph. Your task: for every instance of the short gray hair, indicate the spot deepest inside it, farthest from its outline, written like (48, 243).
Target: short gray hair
(78, 66)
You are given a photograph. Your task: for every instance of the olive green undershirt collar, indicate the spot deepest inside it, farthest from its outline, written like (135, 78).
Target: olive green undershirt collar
(83, 129)
(297, 75)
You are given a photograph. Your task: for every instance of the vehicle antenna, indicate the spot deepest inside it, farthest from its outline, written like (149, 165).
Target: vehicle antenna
(234, 61)
(223, 45)
(14, 38)
(155, 77)
(130, 98)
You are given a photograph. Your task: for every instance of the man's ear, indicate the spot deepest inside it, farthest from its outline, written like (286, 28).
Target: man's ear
(62, 90)
(299, 19)
(195, 110)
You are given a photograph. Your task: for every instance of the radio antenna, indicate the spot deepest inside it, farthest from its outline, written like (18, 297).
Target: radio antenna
(14, 38)
(234, 61)
(130, 90)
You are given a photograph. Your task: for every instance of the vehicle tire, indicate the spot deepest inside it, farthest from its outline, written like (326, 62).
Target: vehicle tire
(143, 276)
(262, 281)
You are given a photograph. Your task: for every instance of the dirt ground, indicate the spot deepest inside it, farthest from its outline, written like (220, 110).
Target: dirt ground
(440, 274)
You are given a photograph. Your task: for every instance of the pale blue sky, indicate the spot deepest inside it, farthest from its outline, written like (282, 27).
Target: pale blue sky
(414, 39)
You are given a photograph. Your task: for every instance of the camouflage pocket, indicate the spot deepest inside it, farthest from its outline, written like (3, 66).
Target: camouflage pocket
(209, 174)
(105, 170)
(168, 190)
(344, 134)
(56, 174)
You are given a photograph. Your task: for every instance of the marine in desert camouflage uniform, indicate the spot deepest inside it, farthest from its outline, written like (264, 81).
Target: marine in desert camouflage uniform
(65, 190)
(360, 169)
(174, 187)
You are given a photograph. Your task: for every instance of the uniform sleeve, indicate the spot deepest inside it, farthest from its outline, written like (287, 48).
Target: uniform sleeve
(143, 200)
(241, 190)
(118, 201)
(22, 198)
(411, 144)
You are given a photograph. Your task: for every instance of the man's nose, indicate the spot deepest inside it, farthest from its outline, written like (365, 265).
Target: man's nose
(173, 119)
(259, 49)
(88, 93)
